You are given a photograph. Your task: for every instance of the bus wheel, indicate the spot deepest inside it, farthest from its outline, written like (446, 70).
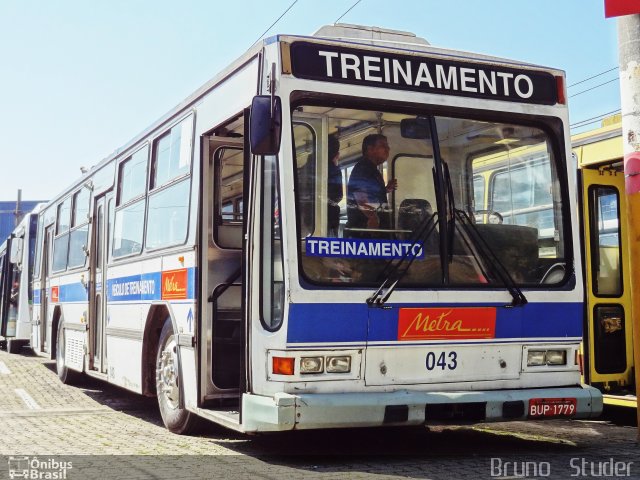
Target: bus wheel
(177, 420)
(66, 376)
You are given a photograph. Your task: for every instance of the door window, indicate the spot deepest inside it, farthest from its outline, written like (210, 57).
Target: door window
(605, 241)
(229, 181)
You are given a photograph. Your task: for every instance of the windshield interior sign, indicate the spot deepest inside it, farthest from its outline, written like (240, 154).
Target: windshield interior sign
(361, 248)
(423, 74)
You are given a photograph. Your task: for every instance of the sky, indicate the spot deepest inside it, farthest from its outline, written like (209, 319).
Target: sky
(79, 79)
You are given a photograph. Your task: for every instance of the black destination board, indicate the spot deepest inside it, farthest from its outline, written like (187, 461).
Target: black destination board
(431, 74)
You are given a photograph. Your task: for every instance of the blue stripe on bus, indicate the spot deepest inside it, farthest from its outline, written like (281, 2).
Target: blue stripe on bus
(191, 283)
(143, 287)
(147, 286)
(73, 292)
(316, 323)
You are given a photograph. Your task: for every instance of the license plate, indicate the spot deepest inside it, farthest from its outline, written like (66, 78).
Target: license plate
(552, 407)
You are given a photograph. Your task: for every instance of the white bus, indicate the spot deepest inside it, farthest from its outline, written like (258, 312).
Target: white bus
(196, 263)
(16, 273)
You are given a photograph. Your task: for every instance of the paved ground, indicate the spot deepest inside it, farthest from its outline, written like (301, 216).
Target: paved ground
(48, 426)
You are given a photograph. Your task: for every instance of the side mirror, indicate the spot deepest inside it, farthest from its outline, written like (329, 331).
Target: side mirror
(15, 255)
(265, 125)
(417, 128)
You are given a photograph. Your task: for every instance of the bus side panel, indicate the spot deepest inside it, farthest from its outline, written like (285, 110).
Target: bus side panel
(127, 305)
(123, 371)
(72, 299)
(132, 289)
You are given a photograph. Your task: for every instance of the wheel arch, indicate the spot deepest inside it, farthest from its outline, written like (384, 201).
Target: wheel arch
(56, 319)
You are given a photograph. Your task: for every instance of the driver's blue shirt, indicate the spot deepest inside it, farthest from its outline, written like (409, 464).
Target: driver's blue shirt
(366, 178)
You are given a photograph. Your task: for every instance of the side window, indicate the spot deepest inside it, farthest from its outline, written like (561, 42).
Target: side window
(50, 215)
(61, 241)
(133, 176)
(172, 154)
(78, 236)
(99, 236)
(81, 207)
(522, 195)
(229, 178)
(129, 215)
(39, 247)
(63, 217)
(111, 209)
(33, 228)
(305, 154)
(168, 216)
(272, 295)
(478, 192)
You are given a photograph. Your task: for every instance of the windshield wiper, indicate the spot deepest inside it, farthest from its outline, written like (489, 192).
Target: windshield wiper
(479, 246)
(393, 272)
(489, 256)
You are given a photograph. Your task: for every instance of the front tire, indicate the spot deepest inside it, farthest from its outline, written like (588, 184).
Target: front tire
(177, 420)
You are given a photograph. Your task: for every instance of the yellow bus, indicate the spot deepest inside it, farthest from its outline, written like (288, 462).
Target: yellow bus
(608, 346)
(607, 352)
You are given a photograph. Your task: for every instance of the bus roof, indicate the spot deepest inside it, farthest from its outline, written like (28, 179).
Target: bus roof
(599, 146)
(397, 40)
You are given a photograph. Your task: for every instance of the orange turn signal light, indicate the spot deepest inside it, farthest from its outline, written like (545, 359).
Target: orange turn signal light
(283, 366)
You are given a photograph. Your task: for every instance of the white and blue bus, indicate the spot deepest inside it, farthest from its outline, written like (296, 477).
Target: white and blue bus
(198, 262)
(16, 274)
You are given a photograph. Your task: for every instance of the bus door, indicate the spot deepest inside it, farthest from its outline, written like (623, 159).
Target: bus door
(11, 286)
(4, 284)
(224, 258)
(608, 348)
(45, 288)
(97, 301)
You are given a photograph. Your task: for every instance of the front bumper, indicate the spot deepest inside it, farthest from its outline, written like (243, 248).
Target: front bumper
(404, 407)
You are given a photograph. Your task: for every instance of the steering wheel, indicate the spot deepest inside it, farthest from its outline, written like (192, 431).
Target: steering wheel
(493, 216)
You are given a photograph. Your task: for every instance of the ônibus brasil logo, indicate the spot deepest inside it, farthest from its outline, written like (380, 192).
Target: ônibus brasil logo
(40, 469)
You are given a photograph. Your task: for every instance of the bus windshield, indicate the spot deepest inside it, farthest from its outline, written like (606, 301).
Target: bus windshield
(376, 186)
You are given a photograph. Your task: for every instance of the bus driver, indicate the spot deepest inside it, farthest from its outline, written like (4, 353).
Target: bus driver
(367, 205)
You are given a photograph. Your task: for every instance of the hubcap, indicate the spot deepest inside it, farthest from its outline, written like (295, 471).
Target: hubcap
(166, 374)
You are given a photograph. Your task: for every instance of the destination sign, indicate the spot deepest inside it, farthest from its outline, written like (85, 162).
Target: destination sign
(422, 73)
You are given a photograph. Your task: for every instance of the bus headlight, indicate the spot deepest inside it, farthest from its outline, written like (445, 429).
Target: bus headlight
(339, 364)
(536, 358)
(556, 357)
(311, 365)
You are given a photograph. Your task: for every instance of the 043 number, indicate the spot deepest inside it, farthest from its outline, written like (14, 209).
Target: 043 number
(443, 361)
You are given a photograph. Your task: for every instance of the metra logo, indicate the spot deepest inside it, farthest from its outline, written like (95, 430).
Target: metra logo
(444, 323)
(174, 284)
